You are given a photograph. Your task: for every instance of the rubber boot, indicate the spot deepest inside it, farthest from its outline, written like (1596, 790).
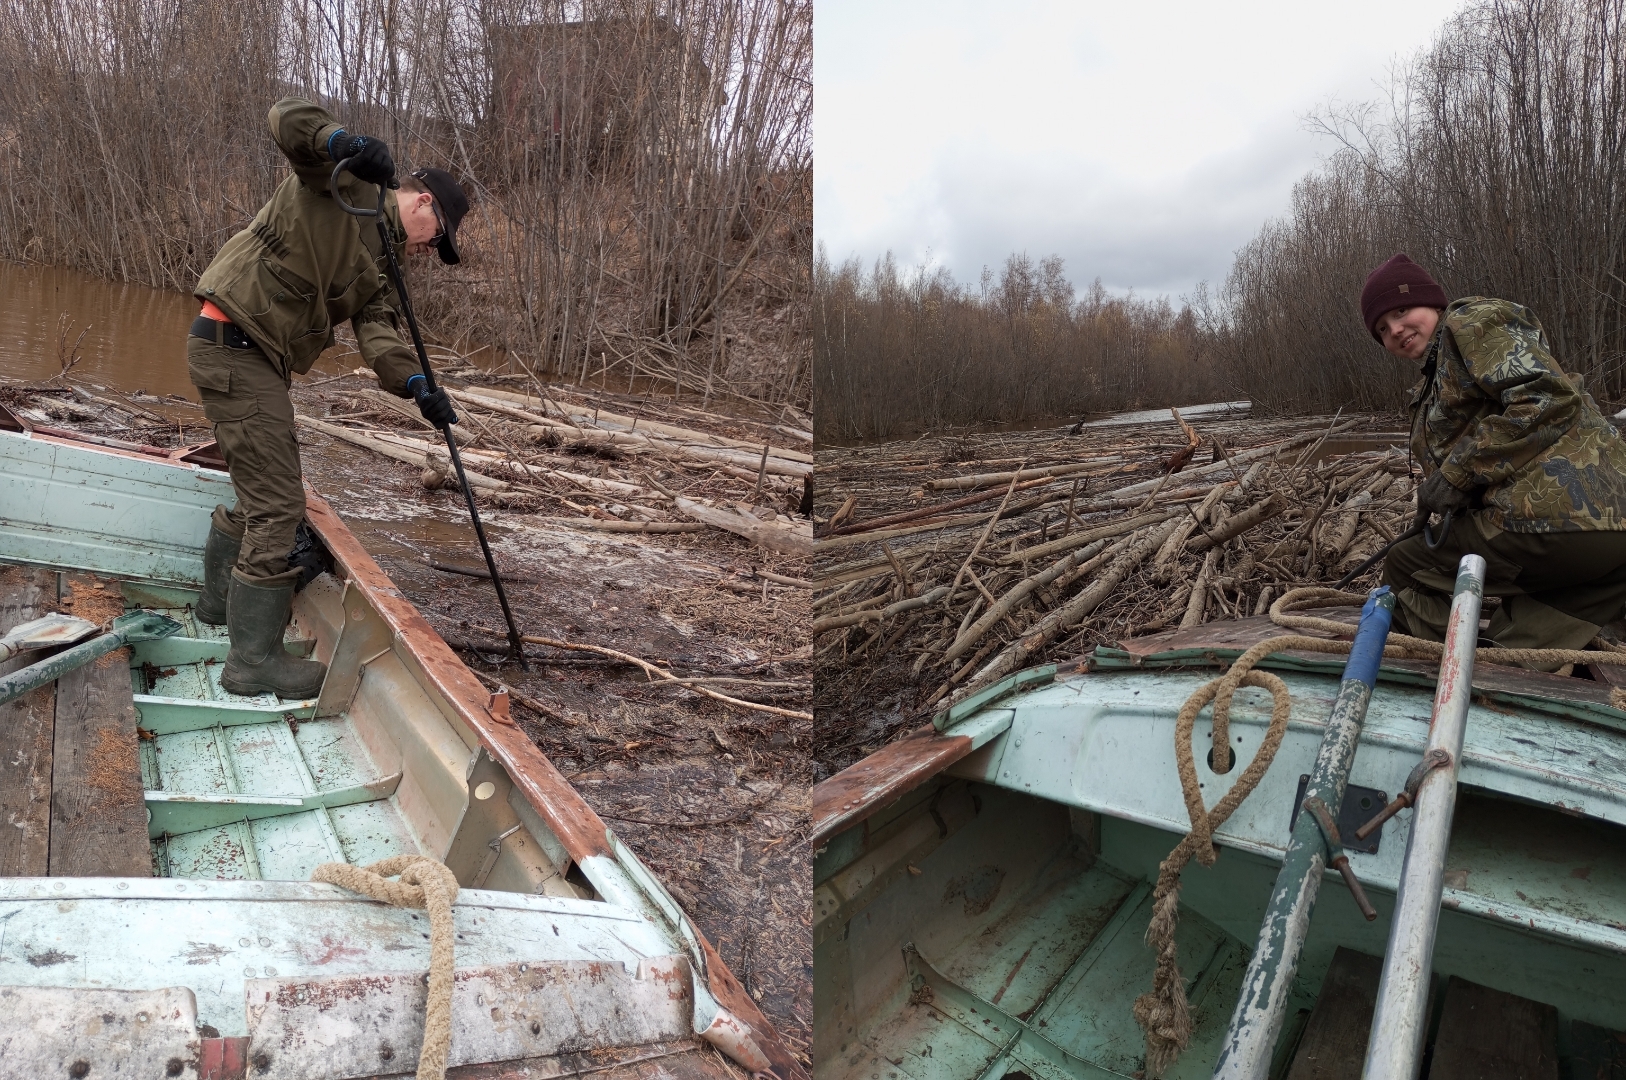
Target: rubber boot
(219, 556)
(256, 615)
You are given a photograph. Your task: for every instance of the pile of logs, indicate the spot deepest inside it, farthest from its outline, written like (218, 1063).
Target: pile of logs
(952, 562)
(603, 467)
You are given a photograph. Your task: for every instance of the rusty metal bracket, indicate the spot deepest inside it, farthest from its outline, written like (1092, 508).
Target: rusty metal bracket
(1434, 759)
(1335, 854)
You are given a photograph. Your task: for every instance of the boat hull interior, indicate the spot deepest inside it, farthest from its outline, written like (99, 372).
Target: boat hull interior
(156, 907)
(991, 921)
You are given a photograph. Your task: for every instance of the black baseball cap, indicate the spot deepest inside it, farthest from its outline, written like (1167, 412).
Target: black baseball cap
(451, 204)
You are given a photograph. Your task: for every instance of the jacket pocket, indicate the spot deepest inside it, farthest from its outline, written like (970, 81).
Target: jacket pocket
(304, 349)
(275, 297)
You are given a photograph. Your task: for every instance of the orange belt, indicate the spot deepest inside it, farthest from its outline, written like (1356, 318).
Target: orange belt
(212, 312)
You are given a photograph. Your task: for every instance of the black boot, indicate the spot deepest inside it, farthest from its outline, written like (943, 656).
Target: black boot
(219, 556)
(257, 614)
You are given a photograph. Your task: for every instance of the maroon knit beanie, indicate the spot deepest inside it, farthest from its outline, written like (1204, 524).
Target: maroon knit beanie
(1398, 283)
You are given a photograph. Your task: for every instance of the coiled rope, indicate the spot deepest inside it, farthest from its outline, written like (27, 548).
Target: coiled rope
(1163, 1013)
(426, 885)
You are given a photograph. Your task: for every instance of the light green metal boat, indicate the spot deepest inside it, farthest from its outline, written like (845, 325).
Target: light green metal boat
(156, 913)
(983, 889)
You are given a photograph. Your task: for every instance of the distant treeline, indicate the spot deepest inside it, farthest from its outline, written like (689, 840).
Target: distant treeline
(899, 352)
(640, 169)
(1497, 161)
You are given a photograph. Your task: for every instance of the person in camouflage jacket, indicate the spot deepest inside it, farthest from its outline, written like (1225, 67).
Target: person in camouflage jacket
(1520, 455)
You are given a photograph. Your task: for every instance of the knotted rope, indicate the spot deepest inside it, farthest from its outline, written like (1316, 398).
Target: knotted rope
(1163, 1013)
(426, 885)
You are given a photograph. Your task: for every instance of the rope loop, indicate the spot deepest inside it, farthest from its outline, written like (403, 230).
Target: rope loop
(425, 884)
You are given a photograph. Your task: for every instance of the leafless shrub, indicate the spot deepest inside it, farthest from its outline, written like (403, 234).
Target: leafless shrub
(899, 352)
(641, 169)
(1498, 162)
(67, 355)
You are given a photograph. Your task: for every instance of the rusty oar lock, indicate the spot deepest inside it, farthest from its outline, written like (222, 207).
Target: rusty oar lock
(1434, 759)
(1335, 854)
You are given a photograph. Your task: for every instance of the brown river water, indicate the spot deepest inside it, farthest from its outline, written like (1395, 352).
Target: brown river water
(134, 336)
(135, 340)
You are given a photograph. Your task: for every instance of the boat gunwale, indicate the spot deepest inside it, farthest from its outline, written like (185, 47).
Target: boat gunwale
(872, 783)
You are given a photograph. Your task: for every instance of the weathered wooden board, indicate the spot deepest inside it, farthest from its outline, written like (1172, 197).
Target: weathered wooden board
(1246, 633)
(1334, 1043)
(98, 814)
(1597, 1053)
(1486, 1034)
(25, 736)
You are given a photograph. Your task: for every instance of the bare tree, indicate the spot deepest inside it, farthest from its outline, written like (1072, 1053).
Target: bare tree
(641, 169)
(1498, 162)
(899, 352)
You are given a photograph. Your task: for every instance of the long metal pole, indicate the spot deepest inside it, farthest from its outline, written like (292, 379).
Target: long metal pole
(1395, 1049)
(1260, 1011)
(516, 642)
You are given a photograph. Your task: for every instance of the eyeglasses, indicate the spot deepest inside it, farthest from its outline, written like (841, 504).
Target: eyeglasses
(440, 234)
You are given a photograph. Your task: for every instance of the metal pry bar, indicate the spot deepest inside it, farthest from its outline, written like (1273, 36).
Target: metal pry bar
(516, 641)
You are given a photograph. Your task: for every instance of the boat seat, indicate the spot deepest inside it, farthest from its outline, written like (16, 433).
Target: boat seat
(1334, 1041)
(70, 774)
(1487, 1034)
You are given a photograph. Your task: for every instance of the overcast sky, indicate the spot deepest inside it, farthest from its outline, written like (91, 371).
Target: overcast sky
(1143, 141)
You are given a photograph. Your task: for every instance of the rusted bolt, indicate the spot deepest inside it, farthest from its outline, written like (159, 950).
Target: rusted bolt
(261, 1062)
(174, 1067)
(386, 1052)
(79, 1069)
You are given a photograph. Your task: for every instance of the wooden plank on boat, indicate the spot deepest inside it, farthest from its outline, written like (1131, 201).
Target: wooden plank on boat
(1334, 1043)
(1596, 1053)
(25, 736)
(98, 815)
(1487, 1034)
(1243, 634)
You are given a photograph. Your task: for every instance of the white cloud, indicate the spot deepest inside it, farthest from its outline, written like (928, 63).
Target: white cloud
(1142, 142)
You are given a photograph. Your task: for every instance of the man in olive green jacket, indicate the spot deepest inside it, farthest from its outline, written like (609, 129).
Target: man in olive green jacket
(1520, 456)
(271, 298)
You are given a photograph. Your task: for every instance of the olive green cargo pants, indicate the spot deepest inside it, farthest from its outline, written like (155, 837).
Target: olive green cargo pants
(247, 398)
(1556, 589)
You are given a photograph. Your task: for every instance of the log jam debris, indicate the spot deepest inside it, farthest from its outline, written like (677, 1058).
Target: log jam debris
(944, 564)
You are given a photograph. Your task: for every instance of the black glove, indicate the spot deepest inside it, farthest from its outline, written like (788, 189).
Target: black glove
(435, 405)
(370, 159)
(1437, 495)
